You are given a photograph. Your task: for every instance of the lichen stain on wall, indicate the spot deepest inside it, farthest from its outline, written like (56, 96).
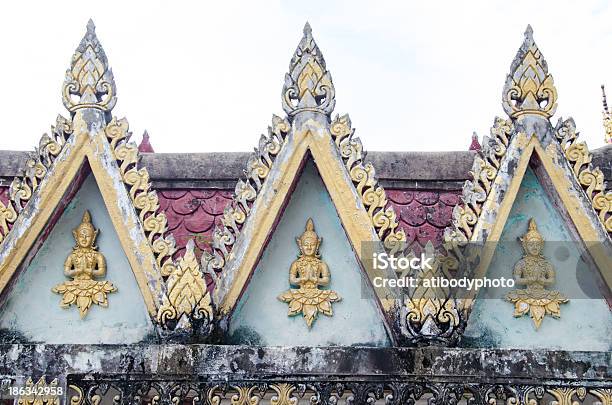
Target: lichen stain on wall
(586, 321)
(32, 310)
(260, 318)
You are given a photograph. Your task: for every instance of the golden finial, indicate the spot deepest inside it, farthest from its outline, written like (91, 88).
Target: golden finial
(529, 88)
(89, 81)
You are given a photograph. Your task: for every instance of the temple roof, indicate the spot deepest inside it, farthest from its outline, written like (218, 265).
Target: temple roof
(423, 170)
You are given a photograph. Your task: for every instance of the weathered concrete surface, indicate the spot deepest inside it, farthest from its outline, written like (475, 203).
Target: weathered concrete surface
(444, 170)
(224, 168)
(260, 318)
(125, 320)
(462, 365)
(492, 324)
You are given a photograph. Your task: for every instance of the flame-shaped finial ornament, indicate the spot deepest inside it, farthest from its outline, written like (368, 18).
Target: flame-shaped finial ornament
(308, 85)
(89, 82)
(529, 88)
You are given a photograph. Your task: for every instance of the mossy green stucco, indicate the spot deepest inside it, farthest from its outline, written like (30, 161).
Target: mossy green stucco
(32, 310)
(260, 318)
(586, 321)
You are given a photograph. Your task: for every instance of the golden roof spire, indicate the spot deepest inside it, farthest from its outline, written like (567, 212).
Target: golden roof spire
(308, 84)
(89, 81)
(529, 88)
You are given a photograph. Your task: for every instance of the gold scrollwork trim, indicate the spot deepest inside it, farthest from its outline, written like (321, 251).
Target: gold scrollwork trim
(41, 393)
(590, 178)
(37, 166)
(363, 176)
(145, 200)
(420, 306)
(246, 191)
(477, 190)
(186, 292)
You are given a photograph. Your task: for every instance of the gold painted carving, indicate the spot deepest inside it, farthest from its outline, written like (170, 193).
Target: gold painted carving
(187, 291)
(245, 192)
(309, 272)
(89, 82)
(529, 88)
(591, 179)
(536, 273)
(145, 200)
(308, 85)
(421, 305)
(429, 302)
(40, 393)
(373, 196)
(83, 265)
(477, 190)
(37, 166)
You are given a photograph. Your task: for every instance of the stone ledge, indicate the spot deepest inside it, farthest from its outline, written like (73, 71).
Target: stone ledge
(246, 362)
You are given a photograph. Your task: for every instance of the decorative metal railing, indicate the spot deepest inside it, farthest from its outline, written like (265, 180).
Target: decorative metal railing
(332, 390)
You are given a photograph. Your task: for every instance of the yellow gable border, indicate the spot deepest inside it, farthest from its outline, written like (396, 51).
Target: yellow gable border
(498, 171)
(361, 204)
(569, 193)
(174, 292)
(96, 151)
(315, 140)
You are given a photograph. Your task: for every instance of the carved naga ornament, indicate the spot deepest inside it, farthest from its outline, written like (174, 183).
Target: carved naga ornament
(83, 265)
(309, 272)
(535, 272)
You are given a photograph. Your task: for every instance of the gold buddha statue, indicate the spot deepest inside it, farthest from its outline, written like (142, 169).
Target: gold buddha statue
(83, 265)
(309, 272)
(536, 273)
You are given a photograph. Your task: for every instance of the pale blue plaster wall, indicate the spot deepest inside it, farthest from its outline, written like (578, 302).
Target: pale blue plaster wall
(586, 321)
(261, 318)
(33, 310)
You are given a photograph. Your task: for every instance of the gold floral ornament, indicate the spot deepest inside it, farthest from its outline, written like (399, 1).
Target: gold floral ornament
(309, 272)
(535, 272)
(84, 264)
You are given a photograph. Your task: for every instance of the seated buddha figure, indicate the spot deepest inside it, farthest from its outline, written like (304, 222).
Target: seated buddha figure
(536, 273)
(309, 272)
(83, 265)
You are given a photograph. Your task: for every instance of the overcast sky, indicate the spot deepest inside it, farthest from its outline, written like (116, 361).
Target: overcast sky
(207, 76)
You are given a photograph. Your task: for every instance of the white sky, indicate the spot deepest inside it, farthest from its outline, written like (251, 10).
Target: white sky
(207, 76)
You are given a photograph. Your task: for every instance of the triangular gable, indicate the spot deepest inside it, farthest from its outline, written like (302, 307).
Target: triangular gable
(94, 149)
(89, 93)
(574, 205)
(530, 100)
(361, 204)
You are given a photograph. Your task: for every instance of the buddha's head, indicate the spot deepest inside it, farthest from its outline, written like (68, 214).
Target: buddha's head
(532, 240)
(309, 241)
(85, 234)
